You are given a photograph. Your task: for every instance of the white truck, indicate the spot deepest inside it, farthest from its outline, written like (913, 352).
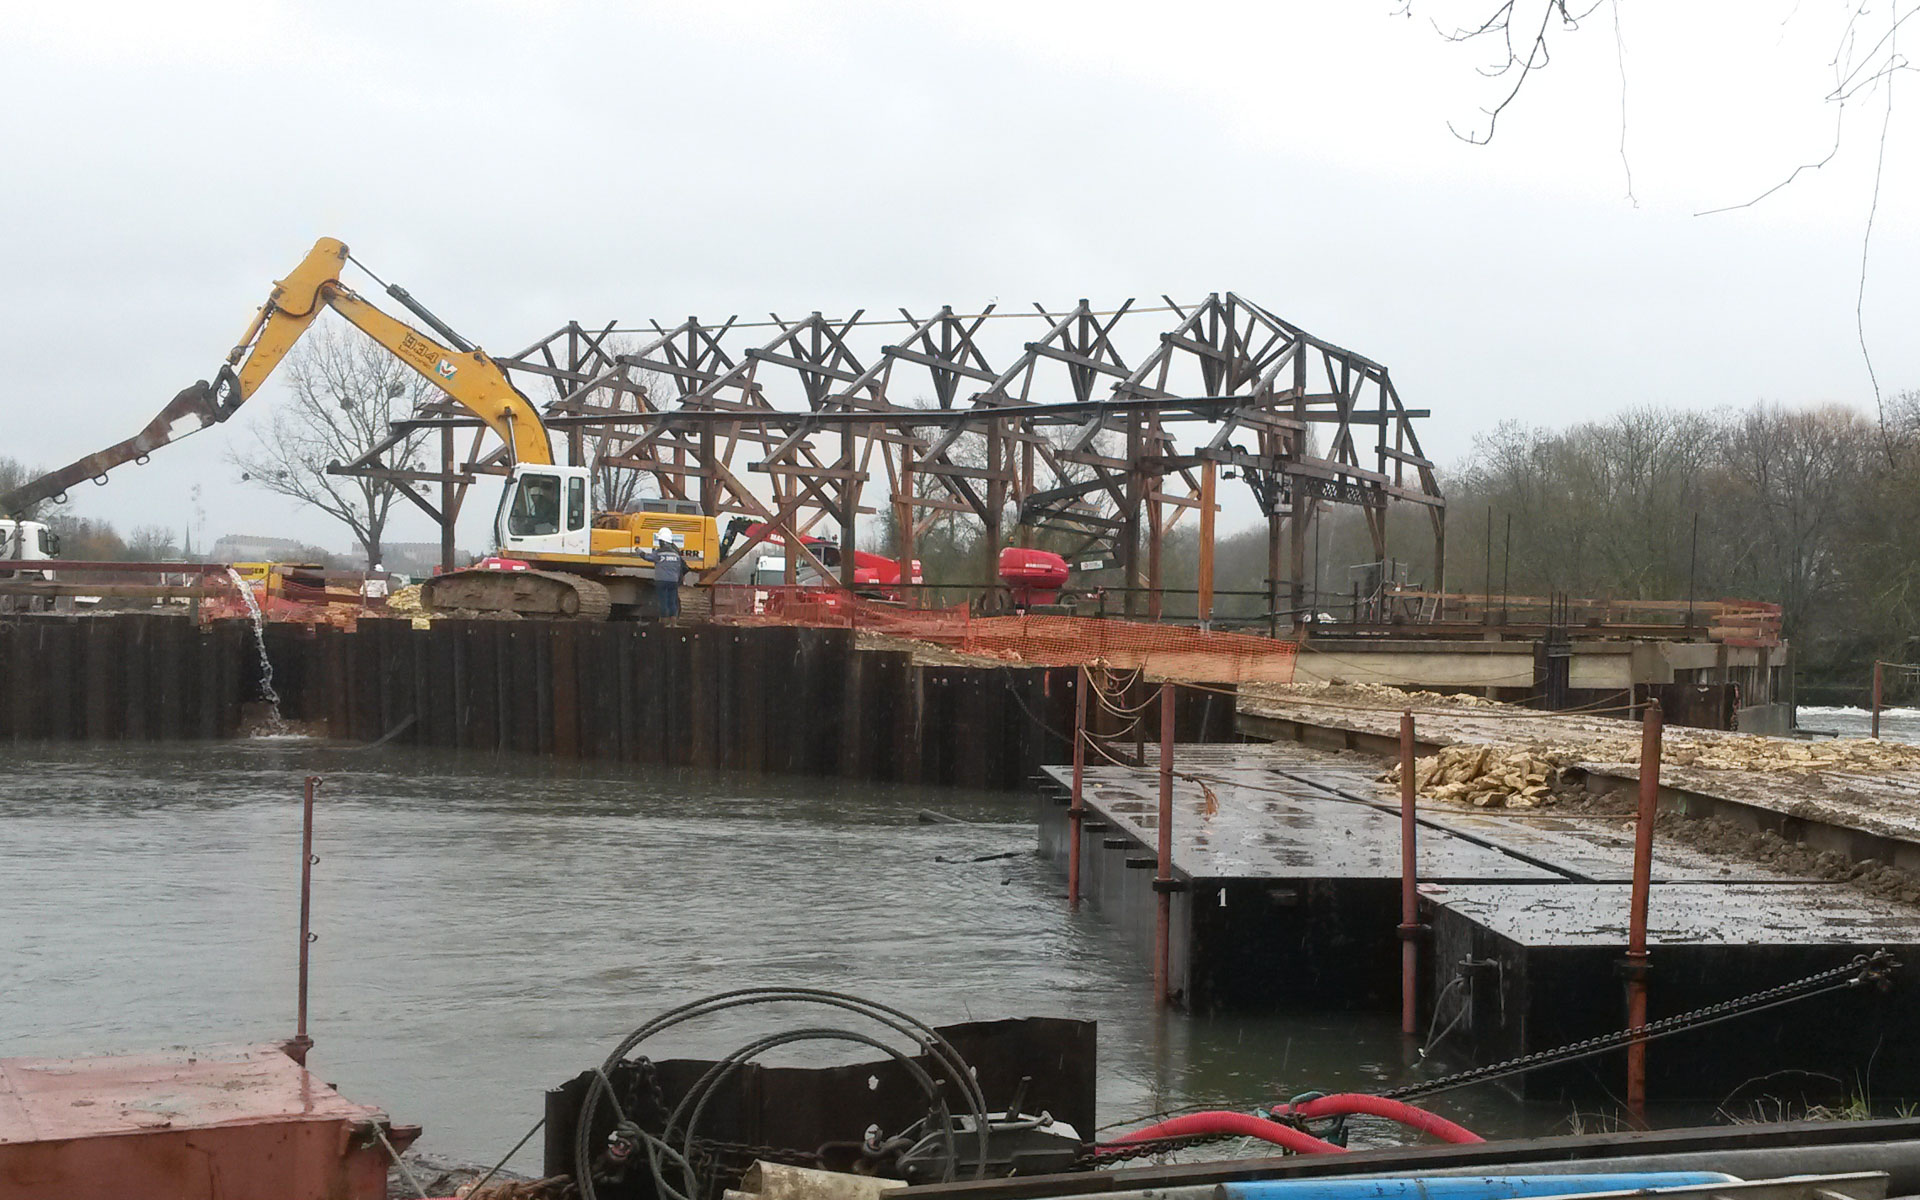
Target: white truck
(24, 541)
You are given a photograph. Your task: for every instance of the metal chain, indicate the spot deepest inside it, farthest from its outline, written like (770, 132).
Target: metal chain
(714, 1150)
(1863, 969)
(1103, 1153)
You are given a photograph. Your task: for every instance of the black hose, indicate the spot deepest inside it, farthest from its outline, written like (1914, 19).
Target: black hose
(931, 1043)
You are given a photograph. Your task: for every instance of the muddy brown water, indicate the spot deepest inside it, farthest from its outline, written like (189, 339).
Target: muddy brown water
(489, 927)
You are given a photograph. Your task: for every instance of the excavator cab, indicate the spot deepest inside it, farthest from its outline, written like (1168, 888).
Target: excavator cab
(545, 509)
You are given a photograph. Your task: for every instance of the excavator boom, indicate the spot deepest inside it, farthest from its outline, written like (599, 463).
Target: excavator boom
(468, 376)
(194, 409)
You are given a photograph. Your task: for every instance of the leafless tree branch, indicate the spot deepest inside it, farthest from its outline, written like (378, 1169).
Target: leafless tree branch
(346, 390)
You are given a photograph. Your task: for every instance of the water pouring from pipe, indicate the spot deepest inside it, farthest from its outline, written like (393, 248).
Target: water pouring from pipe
(275, 722)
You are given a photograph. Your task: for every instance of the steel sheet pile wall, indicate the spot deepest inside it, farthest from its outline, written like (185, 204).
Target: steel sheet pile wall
(128, 677)
(777, 699)
(785, 700)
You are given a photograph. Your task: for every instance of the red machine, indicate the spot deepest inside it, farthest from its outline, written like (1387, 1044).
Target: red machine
(874, 571)
(1033, 576)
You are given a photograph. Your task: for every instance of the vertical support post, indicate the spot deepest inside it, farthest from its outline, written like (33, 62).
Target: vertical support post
(1637, 917)
(903, 519)
(1077, 811)
(446, 499)
(709, 479)
(1409, 878)
(1297, 519)
(1506, 569)
(995, 491)
(1209, 470)
(1163, 878)
(1130, 520)
(849, 509)
(1025, 489)
(1486, 577)
(1274, 528)
(1156, 531)
(301, 1043)
(1878, 676)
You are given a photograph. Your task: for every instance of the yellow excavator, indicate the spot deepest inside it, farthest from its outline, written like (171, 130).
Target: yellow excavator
(580, 564)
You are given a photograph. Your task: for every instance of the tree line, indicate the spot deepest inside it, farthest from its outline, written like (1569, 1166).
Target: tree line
(1814, 508)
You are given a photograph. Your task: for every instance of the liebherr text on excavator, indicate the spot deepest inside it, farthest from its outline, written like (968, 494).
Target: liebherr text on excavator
(584, 565)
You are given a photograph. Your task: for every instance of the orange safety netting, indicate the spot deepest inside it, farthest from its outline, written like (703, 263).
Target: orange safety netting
(1163, 651)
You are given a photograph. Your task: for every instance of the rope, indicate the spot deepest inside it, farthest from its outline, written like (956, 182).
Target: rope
(406, 1172)
(495, 1168)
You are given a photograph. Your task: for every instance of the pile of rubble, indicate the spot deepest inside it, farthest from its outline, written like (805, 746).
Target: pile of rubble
(1485, 777)
(1523, 776)
(1367, 695)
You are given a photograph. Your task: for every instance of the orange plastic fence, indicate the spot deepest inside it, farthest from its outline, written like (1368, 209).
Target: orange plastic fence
(1163, 651)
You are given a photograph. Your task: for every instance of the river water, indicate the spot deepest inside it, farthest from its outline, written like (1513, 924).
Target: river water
(489, 927)
(1896, 724)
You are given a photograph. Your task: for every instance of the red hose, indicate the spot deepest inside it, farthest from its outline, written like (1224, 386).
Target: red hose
(1233, 1122)
(1380, 1106)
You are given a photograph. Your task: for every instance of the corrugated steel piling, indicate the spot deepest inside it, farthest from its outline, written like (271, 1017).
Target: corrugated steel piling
(755, 698)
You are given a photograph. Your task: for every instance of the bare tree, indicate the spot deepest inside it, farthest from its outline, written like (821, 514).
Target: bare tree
(346, 389)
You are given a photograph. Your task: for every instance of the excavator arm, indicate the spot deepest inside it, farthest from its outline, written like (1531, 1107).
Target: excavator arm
(468, 376)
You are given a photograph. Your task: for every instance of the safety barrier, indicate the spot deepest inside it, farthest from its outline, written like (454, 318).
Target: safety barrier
(1163, 651)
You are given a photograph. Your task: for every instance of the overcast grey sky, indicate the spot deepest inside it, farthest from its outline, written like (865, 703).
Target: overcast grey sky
(518, 164)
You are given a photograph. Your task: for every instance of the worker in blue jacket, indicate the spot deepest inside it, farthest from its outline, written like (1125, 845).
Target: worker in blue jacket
(668, 566)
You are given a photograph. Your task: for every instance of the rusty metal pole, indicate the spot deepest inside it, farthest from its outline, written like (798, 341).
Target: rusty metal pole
(1637, 920)
(1877, 675)
(1409, 901)
(1163, 878)
(301, 1043)
(1077, 812)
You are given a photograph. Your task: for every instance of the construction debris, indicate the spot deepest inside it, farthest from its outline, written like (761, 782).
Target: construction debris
(1340, 693)
(1484, 777)
(406, 600)
(1489, 776)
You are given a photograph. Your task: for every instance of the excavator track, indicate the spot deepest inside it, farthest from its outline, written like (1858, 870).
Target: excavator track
(548, 594)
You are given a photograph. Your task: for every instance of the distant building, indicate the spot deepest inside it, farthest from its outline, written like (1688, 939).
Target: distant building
(240, 547)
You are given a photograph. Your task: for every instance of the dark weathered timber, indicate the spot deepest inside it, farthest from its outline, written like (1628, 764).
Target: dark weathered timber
(815, 401)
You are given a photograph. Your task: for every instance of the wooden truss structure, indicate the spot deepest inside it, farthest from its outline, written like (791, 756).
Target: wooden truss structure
(1102, 437)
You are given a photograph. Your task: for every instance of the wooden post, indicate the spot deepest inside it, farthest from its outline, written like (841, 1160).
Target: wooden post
(1155, 535)
(849, 510)
(903, 519)
(1077, 812)
(1297, 519)
(1130, 519)
(1275, 528)
(1409, 878)
(1877, 677)
(446, 499)
(1163, 878)
(1208, 472)
(1637, 918)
